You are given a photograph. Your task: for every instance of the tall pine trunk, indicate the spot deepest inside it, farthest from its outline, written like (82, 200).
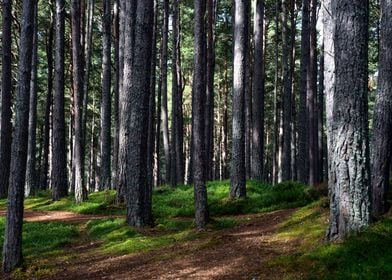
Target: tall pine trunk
(12, 249)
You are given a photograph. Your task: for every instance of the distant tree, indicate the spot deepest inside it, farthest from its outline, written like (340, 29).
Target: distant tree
(382, 122)
(198, 115)
(59, 170)
(238, 184)
(105, 138)
(12, 249)
(349, 181)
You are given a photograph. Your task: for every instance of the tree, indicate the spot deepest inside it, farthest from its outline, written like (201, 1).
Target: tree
(59, 170)
(105, 139)
(198, 115)
(258, 94)
(12, 249)
(303, 155)
(6, 99)
(77, 72)
(349, 181)
(382, 122)
(31, 175)
(137, 78)
(238, 184)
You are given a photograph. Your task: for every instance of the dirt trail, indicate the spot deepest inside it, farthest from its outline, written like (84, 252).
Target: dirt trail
(237, 253)
(57, 216)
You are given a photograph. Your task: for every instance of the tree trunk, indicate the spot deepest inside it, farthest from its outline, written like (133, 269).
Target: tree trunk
(80, 192)
(49, 56)
(286, 96)
(117, 85)
(12, 249)
(382, 122)
(303, 155)
(164, 108)
(31, 173)
(6, 99)
(258, 94)
(238, 181)
(105, 138)
(59, 172)
(137, 78)
(349, 184)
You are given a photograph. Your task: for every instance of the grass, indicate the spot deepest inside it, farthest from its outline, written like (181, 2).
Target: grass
(367, 255)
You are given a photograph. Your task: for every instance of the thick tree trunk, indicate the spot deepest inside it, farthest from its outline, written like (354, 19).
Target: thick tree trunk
(349, 184)
(258, 94)
(77, 69)
(6, 98)
(303, 155)
(59, 171)
(105, 137)
(198, 115)
(12, 249)
(137, 78)
(382, 123)
(286, 96)
(31, 173)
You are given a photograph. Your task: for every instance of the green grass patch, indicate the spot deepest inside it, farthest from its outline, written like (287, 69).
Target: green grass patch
(367, 255)
(42, 239)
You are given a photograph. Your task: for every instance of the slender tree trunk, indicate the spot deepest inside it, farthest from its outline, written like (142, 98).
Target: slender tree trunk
(164, 108)
(303, 155)
(105, 138)
(48, 106)
(137, 79)
(349, 184)
(311, 98)
(12, 249)
(80, 192)
(59, 172)
(286, 96)
(31, 173)
(117, 85)
(198, 115)
(258, 94)
(238, 181)
(382, 123)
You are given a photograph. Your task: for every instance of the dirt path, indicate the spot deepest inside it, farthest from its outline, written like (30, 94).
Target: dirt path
(57, 216)
(237, 253)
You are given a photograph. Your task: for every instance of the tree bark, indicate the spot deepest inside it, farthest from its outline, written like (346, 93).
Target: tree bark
(382, 122)
(105, 138)
(238, 180)
(31, 173)
(77, 69)
(198, 115)
(6, 98)
(137, 78)
(349, 182)
(59, 171)
(258, 94)
(12, 249)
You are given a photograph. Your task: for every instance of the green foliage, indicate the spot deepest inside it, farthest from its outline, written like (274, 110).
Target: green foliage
(43, 239)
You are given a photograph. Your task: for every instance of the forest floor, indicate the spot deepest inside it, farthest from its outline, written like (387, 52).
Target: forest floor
(277, 233)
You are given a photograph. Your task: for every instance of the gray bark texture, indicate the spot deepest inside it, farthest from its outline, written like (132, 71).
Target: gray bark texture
(12, 249)
(349, 181)
(31, 174)
(238, 180)
(258, 95)
(198, 115)
(105, 138)
(382, 122)
(137, 78)
(59, 170)
(6, 98)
